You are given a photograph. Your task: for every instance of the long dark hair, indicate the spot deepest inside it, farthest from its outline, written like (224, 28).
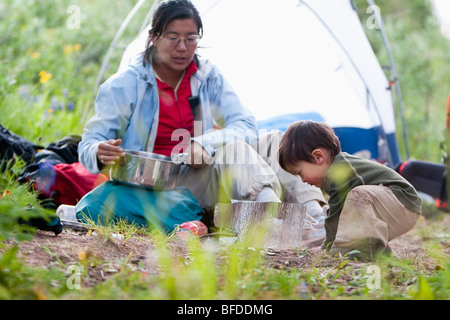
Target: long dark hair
(166, 12)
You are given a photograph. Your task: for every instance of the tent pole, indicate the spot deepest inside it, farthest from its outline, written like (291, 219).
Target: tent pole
(112, 46)
(394, 77)
(149, 16)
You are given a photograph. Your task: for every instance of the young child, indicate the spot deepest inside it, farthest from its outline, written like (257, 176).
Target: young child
(369, 203)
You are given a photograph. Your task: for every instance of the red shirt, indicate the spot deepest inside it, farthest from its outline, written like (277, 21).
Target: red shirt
(175, 113)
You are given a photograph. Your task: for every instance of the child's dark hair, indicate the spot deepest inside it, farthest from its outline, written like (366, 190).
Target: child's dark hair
(302, 137)
(168, 11)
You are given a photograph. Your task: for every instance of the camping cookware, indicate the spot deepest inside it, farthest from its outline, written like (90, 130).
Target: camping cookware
(149, 169)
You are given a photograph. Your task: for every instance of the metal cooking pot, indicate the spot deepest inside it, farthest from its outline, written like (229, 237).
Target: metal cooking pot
(148, 169)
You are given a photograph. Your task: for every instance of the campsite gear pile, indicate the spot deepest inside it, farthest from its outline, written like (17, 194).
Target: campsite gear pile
(57, 175)
(13, 146)
(53, 171)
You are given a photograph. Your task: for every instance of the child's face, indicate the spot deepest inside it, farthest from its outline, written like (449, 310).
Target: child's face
(312, 173)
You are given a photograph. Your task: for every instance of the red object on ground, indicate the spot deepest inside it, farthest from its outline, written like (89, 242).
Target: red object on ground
(191, 228)
(70, 182)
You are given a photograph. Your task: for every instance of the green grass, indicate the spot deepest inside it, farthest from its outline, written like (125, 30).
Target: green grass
(200, 270)
(49, 65)
(35, 41)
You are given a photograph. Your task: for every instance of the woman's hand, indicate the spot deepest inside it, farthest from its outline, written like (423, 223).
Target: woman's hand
(198, 157)
(109, 152)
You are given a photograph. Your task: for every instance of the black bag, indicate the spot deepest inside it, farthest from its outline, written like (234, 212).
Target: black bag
(52, 224)
(11, 144)
(63, 151)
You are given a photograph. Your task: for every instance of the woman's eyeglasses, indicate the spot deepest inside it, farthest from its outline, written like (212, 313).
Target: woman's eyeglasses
(173, 41)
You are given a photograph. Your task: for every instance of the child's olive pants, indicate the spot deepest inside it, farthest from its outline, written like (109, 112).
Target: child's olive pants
(372, 212)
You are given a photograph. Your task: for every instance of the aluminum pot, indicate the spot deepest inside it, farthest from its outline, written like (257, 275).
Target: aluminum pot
(148, 169)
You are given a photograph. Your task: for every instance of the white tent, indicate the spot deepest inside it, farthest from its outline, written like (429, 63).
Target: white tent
(300, 59)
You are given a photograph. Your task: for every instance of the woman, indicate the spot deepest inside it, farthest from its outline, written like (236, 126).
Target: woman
(170, 101)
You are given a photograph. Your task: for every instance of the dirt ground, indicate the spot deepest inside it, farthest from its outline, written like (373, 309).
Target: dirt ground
(108, 254)
(138, 252)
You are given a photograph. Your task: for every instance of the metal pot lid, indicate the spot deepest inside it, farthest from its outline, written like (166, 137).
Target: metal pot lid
(177, 158)
(147, 155)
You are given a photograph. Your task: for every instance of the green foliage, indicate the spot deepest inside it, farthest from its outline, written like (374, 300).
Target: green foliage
(11, 284)
(20, 282)
(49, 66)
(421, 54)
(18, 202)
(436, 286)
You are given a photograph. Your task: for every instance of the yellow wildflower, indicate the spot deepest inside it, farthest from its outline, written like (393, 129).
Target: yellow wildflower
(68, 49)
(35, 55)
(77, 47)
(82, 255)
(40, 294)
(45, 76)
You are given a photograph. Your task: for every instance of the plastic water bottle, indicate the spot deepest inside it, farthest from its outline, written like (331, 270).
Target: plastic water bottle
(66, 212)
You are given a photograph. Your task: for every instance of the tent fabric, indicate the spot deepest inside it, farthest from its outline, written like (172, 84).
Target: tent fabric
(297, 57)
